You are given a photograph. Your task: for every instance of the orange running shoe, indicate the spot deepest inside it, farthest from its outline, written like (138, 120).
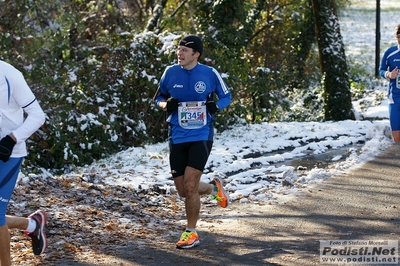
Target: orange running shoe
(188, 240)
(221, 197)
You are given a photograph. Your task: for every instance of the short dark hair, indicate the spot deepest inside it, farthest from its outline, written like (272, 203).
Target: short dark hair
(398, 29)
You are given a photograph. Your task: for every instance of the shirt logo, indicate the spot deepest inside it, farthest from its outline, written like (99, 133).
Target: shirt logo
(200, 87)
(178, 86)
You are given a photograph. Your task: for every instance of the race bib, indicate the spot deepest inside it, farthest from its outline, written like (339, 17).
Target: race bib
(192, 115)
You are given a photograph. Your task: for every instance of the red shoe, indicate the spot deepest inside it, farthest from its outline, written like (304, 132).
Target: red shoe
(39, 238)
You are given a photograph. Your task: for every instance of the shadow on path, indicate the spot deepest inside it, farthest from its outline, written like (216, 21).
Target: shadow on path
(363, 204)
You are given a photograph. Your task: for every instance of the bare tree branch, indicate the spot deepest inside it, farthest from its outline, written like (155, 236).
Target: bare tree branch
(158, 10)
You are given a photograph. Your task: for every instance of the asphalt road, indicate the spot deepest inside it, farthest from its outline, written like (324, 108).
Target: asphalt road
(361, 205)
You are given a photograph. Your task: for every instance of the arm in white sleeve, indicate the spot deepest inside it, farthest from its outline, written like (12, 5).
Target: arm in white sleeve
(32, 123)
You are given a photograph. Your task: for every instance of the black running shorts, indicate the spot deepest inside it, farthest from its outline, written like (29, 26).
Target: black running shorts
(193, 154)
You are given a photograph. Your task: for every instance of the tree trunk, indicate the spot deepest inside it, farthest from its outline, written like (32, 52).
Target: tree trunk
(332, 61)
(304, 42)
(158, 10)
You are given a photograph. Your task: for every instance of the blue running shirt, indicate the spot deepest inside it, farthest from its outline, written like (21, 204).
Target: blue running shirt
(195, 85)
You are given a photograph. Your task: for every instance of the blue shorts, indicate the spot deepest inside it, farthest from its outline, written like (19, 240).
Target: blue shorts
(8, 177)
(394, 116)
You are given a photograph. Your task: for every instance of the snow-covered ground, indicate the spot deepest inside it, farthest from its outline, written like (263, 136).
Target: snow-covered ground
(256, 161)
(358, 28)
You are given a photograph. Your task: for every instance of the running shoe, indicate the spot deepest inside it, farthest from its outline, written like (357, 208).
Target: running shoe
(188, 240)
(221, 197)
(39, 239)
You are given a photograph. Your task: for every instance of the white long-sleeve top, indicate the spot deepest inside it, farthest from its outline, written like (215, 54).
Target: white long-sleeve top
(16, 98)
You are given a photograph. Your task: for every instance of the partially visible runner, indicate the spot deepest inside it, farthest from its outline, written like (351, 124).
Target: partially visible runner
(16, 98)
(389, 68)
(186, 93)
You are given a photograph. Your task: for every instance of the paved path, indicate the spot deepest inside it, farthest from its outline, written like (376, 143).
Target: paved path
(363, 204)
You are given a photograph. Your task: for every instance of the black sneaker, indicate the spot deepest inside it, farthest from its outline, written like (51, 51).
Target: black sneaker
(39, 239)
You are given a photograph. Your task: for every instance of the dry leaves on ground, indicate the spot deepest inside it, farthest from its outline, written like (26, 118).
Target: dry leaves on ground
(86, 218)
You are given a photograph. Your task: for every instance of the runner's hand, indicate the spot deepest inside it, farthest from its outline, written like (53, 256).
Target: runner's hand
(212, 107)
(172, 104)
(6, 146)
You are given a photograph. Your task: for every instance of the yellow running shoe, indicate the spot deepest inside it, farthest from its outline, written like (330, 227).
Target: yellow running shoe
(188, 240)
(221, 197)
